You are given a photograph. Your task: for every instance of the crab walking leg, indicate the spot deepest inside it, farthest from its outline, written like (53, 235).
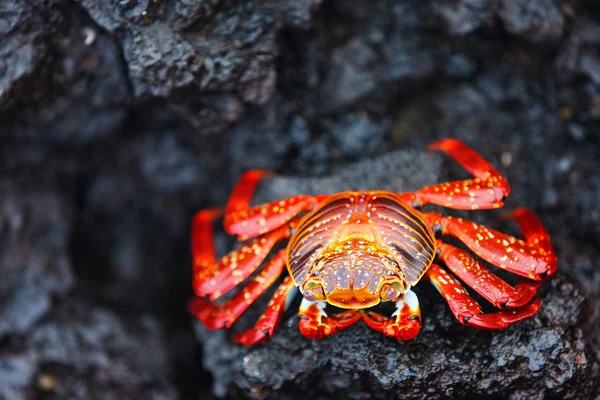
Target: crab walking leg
(203, 249)
(241, 195)
(480, 279)
(465, 308)
(223, 316)
(214, 278)
(534, 233)
(405, 323)
(271, 317)
(314, 322)
(266, 217)
(485, 191)
(531, 258)
(248, 222)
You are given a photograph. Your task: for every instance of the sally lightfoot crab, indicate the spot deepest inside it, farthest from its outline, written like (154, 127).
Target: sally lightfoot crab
(353, 250)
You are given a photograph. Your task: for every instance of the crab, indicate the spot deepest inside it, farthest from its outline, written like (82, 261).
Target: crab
(353, 250)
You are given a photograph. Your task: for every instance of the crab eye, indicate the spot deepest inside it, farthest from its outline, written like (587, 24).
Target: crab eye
(313, 291)
(390, 291)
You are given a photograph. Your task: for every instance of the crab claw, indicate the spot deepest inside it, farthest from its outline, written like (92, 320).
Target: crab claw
(401, 330)
(405, 322)
(503, 319)
(314, 322)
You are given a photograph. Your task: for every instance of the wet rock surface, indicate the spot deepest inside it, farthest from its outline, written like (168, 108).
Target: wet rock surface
(120, 119)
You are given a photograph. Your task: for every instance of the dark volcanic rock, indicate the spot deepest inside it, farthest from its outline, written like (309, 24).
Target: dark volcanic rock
(534, 21)
(35, 265)
(61, 74)
(190, 52)
(83, 72)
(337, 140)
(135, 219)
(549, 355)
(386, 54)
(87, 352)
(463, 17)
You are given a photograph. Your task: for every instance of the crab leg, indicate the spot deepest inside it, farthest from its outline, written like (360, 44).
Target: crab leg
(224, 315)
(215, 278)
(534, 233)
(266, 217)
(465, 308)
(486, 190)
(531, 258)
(248, 222)
(488, 285)
(315, 323)
(244, 189)
(271, 317)
(203, 250)
(405, 322)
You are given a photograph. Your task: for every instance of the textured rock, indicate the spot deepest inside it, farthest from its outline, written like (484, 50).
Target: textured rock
(34, 260)
(463, 17)
(63, 75)
(83, 352)
(387, 54)
(22, 55)
(202, 49)
(135, 219)
(535, 21)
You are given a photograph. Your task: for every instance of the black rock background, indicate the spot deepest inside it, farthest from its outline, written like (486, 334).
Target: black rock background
(120, 119)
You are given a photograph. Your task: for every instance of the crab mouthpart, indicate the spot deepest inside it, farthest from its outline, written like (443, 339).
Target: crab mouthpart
(353, 299)
(387, 290)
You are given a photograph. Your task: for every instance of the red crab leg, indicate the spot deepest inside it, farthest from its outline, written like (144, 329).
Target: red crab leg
(268, 321)
(486, 190)
(215, 278)
(202, 246)
(223, 316)
(244, 189)
(531, 258)
(535, 233)
(266, 217)
(314, 322)
(407, 321)
(466, 309)
(488, 285)
(248, 222)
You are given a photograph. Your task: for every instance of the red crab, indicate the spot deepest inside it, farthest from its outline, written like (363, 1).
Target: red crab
(353, 250)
